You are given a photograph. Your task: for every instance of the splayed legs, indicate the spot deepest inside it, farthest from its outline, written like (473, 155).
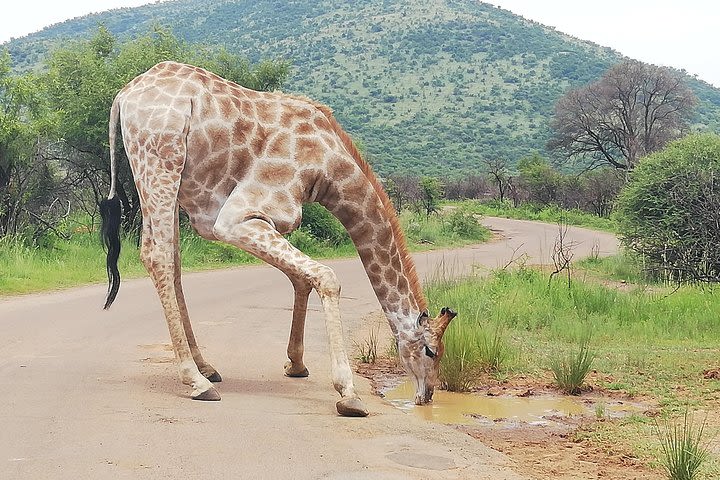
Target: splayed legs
(258, 237)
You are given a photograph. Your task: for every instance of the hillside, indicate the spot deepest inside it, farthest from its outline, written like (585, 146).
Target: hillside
(430, 87)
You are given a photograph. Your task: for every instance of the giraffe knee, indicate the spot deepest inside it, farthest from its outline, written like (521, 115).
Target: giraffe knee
(326, 282)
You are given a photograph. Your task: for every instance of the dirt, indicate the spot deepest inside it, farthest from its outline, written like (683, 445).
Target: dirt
(558, 447)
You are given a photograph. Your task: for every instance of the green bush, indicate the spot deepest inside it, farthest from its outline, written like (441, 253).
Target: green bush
(464, 225)
(669, 212)
(322, 225)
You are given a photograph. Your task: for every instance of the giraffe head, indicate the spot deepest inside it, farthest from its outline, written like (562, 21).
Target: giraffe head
(421, 350)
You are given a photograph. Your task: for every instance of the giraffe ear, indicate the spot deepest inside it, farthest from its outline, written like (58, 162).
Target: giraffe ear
(423, 318)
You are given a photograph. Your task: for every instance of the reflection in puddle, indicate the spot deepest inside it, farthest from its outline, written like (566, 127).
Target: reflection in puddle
(458, 408)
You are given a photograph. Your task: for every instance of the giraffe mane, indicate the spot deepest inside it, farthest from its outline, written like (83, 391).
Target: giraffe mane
(408, 264)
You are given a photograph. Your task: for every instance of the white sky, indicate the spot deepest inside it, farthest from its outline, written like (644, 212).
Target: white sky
(681, 34)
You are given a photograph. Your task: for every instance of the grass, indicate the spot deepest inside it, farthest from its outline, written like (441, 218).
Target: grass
(27, 268)
(571, 369)
(460, 363)
(683, 446)
(547, 214)
(650, 341)
(368, 348)
(448, 230)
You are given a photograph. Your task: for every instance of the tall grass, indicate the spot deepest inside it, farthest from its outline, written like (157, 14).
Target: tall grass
(683, 446)
(460, 363)
(624, 267)
(474, 343)
(649, 340)
(571, 368)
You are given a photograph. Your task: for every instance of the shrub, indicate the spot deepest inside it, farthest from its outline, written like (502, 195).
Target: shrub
(322, 225)
(464, 225)
(669, 212)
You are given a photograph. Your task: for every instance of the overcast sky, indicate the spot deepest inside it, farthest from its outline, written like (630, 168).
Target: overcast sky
(681, 34)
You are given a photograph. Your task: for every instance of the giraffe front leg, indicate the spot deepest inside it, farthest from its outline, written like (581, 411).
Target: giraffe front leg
(328, 288)
(295, 367)
(258, 237)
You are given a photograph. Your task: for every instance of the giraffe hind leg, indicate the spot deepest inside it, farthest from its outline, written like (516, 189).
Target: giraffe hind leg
(158, 190)
(205, 368)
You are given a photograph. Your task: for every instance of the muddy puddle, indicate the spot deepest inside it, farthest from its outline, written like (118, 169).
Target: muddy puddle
(467, 409)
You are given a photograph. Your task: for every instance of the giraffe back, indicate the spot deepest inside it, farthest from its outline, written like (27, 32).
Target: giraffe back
(276, 148)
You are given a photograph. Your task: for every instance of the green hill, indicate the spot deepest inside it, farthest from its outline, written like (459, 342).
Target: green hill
(431, 87)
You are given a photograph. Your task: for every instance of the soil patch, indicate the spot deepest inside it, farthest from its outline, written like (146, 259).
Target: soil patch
(547, 445)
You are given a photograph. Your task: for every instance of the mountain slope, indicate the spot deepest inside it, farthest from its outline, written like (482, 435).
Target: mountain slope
(431, 87)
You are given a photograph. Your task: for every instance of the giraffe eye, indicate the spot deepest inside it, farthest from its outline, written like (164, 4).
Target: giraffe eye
(429, 352)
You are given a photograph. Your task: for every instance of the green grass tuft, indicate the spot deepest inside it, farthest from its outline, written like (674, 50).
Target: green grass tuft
(684, 450)
(571, 369)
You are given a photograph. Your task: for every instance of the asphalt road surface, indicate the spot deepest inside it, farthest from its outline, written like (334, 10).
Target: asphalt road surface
(92, 394)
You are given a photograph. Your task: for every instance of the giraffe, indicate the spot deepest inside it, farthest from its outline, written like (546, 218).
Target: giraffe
(241, 163)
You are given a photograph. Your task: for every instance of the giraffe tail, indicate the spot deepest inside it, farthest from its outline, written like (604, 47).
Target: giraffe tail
(110, 233)
(111, 215)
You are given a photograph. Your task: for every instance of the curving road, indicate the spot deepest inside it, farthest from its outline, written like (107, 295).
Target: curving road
(94, 394)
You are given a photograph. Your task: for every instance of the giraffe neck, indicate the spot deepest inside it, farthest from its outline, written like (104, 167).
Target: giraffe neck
(355, 196)
(383, 252)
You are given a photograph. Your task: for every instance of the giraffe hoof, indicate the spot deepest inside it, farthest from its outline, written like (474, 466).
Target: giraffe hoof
(351, 407)
(293, 371)
(214, 377)
(209, 395)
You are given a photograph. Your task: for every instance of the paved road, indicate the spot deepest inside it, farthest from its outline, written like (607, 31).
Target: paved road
(94, 394)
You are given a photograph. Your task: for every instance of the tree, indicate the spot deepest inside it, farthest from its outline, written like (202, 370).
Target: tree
(669, 211)
(633, 110)
(541, 181)
(402, 189)
(26, 177)
(431, 190)
(600, 188)
(498, 170)
(467, 186)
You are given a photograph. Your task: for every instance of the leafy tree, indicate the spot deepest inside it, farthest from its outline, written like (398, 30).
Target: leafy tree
(431, 191)
(26, 177)
(669, 211)
(541, 181)
(633, 110)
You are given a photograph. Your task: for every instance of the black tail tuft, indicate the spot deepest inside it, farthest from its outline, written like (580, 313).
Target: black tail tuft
(110, 212)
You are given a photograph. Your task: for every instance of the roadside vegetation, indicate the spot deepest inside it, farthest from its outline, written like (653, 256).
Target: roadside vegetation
(72, 254)
(654, 342)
